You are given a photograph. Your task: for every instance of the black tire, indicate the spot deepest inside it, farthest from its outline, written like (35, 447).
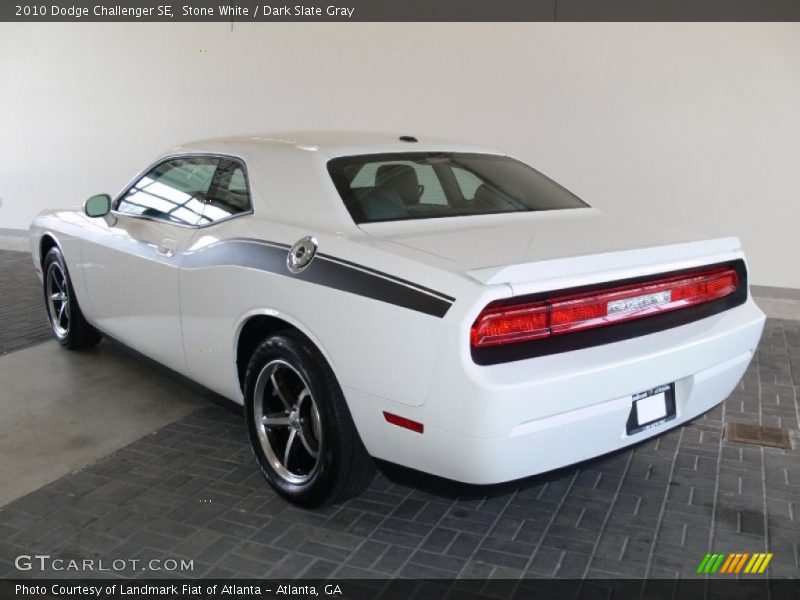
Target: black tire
(70, 328)
(322, 422)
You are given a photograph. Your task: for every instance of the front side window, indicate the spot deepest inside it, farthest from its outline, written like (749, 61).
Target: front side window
(422, 185)
(189, 191)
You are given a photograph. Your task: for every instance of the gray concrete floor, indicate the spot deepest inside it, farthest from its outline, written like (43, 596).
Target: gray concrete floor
(63, 410)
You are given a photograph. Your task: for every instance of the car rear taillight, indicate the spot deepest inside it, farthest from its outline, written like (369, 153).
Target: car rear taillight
(507, 323)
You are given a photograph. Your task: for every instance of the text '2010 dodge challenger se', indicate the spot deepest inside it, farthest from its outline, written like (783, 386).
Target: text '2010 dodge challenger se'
(436, 305)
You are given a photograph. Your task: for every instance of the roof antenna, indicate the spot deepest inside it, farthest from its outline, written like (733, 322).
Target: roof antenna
(408, 138)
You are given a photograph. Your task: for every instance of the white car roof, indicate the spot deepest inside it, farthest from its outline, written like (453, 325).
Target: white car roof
(288, 175)
(333, 143)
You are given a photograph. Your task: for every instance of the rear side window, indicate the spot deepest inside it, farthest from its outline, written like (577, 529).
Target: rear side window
(192, 191)
(421, 185)
(229, 194)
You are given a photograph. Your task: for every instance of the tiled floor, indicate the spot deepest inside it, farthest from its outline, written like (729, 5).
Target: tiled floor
(192, 490)
(22, 316)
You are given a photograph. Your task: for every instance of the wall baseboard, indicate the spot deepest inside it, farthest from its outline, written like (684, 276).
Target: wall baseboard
(14, 232)
(779, 293)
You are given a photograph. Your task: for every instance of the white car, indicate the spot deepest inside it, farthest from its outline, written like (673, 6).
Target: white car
(439, 306)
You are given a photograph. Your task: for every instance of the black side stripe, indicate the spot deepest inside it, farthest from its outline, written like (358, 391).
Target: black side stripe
(324, 270)
(392, 277)
(357, 266)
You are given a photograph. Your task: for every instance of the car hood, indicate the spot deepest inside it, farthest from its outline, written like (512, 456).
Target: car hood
(521, 247)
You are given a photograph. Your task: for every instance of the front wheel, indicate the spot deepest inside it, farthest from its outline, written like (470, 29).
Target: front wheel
(300, 428)
(66, 319)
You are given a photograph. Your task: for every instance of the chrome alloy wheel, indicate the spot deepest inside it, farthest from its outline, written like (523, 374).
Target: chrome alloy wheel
(287, 420)
(58, 299)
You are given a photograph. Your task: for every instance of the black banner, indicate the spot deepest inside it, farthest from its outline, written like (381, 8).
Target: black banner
(404, 589)
(399, 10)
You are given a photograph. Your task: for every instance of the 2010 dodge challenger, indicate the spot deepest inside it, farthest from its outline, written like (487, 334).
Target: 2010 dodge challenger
(440, 306)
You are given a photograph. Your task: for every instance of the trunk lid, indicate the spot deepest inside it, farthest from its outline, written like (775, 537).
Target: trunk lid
(527, 250)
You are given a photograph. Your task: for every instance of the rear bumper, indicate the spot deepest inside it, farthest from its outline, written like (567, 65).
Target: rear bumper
(553, 442)
(486, 425)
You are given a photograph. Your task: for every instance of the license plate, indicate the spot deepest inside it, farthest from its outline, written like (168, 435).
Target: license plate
(651, 408)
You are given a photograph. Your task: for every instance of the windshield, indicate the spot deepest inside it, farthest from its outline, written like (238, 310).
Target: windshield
(425, 185)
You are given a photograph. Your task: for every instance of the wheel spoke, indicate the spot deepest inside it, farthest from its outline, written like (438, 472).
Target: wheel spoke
(57, 296)
(280, 391)
(304, 393)
(306, 445)
(316, 423)
(275, 420)
(289, 444)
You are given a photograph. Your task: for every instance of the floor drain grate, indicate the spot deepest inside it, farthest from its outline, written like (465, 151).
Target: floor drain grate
(747, 433)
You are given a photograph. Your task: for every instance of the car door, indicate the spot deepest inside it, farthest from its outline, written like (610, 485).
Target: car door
(131, 266)
(208, 291)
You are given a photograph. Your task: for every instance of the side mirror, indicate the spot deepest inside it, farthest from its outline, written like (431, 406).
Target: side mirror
(97, 206)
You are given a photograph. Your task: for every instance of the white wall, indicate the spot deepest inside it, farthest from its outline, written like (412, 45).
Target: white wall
(695, 124)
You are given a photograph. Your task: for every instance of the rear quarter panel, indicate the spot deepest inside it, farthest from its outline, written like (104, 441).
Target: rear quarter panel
(373, 346)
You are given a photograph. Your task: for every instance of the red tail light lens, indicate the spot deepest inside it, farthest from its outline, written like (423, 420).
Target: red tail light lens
(507, 324)
(514, 324)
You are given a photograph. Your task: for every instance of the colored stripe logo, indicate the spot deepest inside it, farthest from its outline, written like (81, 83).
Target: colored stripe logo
(734, 563)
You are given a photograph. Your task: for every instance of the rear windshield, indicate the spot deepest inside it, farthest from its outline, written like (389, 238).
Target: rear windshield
(424, 185)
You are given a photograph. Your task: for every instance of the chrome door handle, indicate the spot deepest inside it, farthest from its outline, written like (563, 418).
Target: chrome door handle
(166, 248)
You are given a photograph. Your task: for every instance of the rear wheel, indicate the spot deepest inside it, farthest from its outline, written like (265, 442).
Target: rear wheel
(66, 319)
(299, 425)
